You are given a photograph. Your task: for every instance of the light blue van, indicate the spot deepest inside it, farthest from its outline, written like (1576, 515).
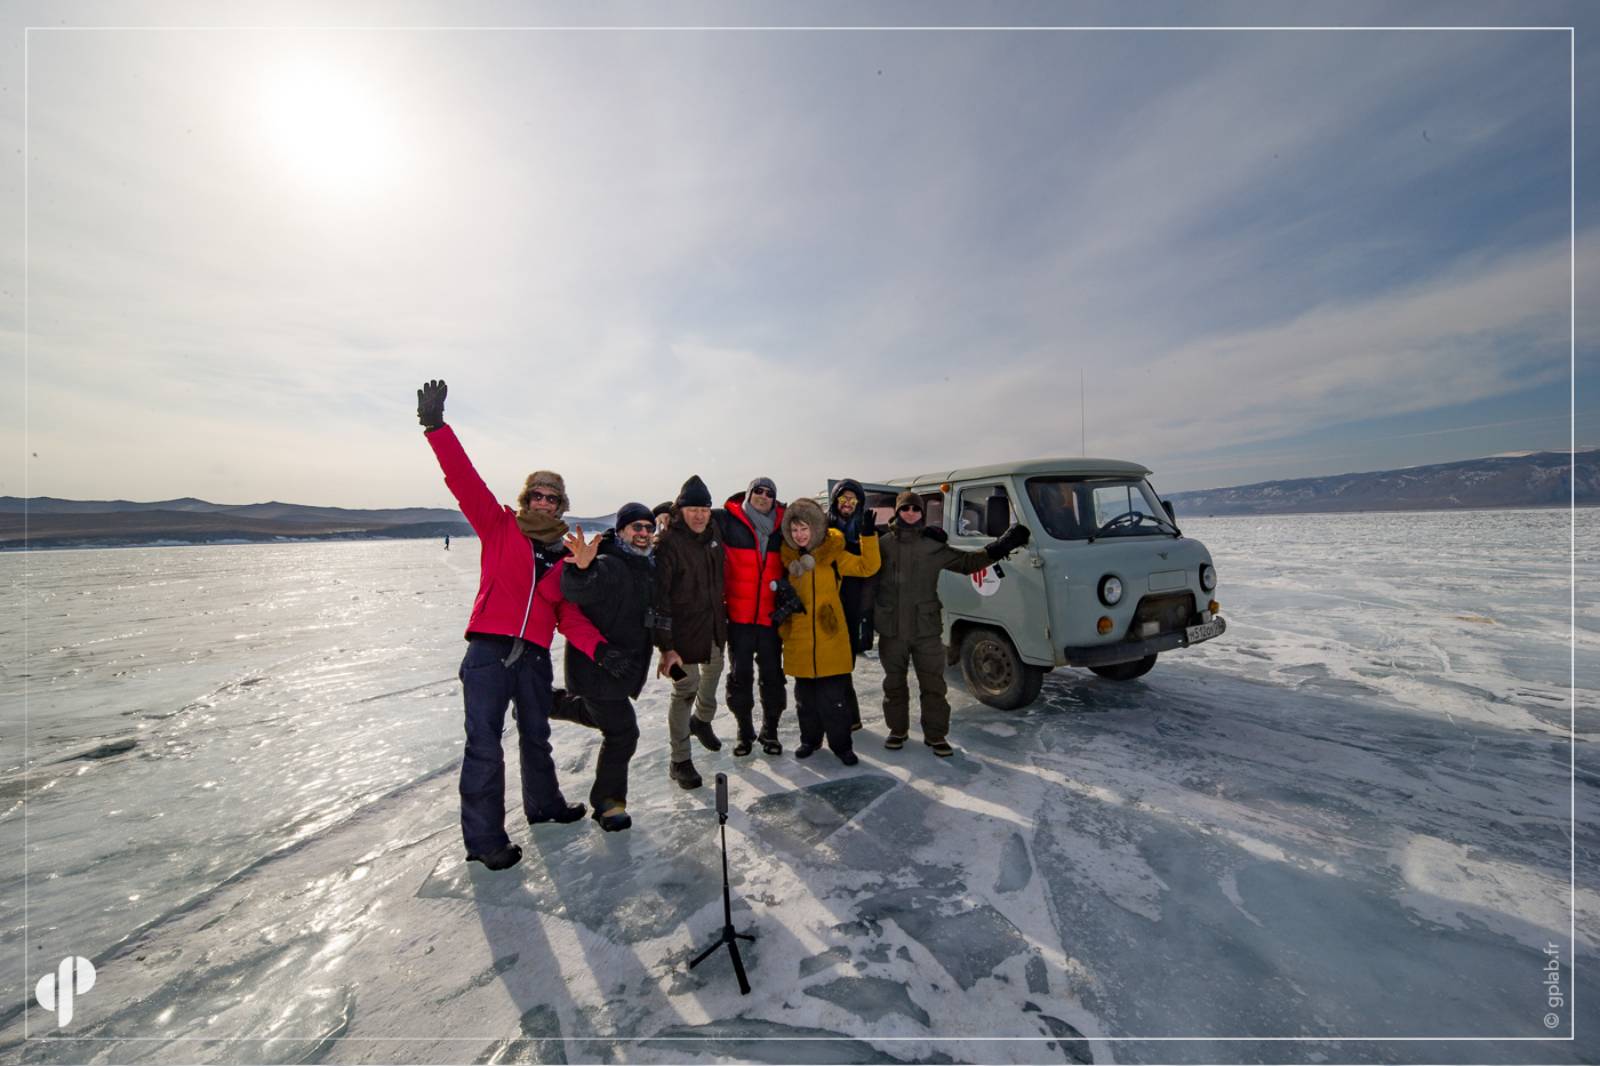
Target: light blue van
(1108, 581)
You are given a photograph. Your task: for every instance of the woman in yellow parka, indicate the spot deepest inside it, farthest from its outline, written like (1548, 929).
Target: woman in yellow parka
(816, 643)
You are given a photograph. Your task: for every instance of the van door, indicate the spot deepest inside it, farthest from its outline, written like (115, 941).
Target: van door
(1009, 594)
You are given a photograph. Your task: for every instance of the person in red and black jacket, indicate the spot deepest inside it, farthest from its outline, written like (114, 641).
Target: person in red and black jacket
(514, 617)
(751, 527)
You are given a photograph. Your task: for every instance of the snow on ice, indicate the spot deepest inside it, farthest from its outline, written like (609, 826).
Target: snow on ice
(1348, 818)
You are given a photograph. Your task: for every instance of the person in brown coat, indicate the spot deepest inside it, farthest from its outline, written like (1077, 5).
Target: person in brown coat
(691, 623)
(906, 614)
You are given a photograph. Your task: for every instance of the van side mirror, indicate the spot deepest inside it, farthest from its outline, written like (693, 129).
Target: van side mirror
(997, 516)
(1166, 505)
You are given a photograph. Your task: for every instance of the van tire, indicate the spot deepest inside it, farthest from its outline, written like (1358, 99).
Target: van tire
(1126, 671)
(995, 672)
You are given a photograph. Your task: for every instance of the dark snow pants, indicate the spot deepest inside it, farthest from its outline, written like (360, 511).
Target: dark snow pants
(753, 648)
(821, 706)
(927, 655)
(487, 686)
(619, 739)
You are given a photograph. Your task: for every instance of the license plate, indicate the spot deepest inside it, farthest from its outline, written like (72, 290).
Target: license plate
(1204, 632)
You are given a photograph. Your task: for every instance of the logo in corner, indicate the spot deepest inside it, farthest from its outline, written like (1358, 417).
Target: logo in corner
(58, 991)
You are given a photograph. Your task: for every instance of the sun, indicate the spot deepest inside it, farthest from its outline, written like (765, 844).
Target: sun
(326, 124)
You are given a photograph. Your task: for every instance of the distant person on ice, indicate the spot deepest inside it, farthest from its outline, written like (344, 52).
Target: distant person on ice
(691, 624)
(611, 577)
(518, 607)
(816, 646)
(751, 541)
(906, 614)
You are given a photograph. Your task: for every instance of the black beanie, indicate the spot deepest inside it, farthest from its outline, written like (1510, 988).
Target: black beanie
(660, 509)
(694, 493)
(633, 512)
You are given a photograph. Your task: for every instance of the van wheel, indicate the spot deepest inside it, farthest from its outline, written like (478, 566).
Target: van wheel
(996, 673)
(1126, 671)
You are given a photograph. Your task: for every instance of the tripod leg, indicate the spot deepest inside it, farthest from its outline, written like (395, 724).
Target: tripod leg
(738, 968)
(698, 959)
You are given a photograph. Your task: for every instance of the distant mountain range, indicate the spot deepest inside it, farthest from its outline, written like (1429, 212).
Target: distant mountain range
(1535, 479)
(53, 523)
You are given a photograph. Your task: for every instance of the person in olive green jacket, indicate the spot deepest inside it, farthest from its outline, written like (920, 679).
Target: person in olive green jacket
(906, 616)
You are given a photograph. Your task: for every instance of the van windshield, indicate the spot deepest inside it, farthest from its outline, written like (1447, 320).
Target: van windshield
(1088, 508)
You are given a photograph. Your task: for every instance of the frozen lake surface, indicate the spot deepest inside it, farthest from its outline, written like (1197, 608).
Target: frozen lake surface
(1349, 817)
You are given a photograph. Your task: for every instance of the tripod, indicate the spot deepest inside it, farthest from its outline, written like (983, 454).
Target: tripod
(729, 936)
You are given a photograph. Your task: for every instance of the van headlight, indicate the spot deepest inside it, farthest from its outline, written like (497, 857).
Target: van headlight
(1208, 576)
(1110, 590)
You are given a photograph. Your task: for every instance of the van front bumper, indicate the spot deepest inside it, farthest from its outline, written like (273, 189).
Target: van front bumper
(1128, 651)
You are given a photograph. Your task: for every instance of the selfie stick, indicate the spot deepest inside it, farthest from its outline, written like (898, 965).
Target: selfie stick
(729, 937)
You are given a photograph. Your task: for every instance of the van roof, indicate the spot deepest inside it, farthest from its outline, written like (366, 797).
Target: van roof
(1077, 466)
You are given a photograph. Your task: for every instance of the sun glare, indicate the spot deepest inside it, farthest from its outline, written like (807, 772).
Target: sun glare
(325, 125)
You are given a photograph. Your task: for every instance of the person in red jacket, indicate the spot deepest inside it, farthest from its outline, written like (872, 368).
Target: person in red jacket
(750, 524)
(514, 617)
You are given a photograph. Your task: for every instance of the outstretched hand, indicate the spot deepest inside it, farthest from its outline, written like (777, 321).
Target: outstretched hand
(430, 404)
(583, 551)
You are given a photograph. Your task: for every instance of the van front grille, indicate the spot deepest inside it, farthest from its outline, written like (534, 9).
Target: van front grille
(1170, 611)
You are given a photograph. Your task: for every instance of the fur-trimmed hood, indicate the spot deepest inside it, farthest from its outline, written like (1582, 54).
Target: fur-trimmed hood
(805, 510)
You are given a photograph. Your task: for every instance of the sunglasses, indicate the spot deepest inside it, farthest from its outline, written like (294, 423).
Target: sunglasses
(910, 508)
(641, 527)
(761, 492)
(544, 497)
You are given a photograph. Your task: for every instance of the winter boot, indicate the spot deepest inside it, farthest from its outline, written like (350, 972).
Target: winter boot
(941, 747)
(684, 774)
(500, 858)
(849, 758)
(804, 751)
(701, 730)
(571, 813)
(614, 818)
(768, 738)
(747, 734)
(894, 741)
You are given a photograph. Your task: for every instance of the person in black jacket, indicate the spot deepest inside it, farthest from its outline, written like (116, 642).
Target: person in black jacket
(849, 514)
(612, 577)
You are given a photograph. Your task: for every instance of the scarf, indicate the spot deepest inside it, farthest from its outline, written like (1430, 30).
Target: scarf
(541, 528)
(763, 524)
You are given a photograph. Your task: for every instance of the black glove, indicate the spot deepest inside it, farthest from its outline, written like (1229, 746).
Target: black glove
(430, 405)
(614, 661)
(785, 602)
(1008, 542)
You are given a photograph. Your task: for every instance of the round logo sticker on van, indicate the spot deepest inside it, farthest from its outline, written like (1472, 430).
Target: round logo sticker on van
(986, 581)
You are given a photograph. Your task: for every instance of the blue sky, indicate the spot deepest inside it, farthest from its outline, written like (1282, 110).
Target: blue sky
(639, 254)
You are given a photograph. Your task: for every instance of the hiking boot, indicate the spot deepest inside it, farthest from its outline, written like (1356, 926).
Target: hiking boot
(941, 748)
(568, 814)
(804, 750)
(894, 741)
(770, 745)
(500, 858)
(849, 758)
(684, 774)
(701, 730)
(743, 745)
(613, 819)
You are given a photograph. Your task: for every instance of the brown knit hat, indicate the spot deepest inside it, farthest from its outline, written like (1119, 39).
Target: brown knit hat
(907, 497)
(544, 479)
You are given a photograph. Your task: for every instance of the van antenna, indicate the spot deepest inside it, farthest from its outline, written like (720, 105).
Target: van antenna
(1083, 432)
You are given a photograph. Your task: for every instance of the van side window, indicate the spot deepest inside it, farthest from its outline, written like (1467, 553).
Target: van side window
(881, 505)
(1057, 504)
(973, 505)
